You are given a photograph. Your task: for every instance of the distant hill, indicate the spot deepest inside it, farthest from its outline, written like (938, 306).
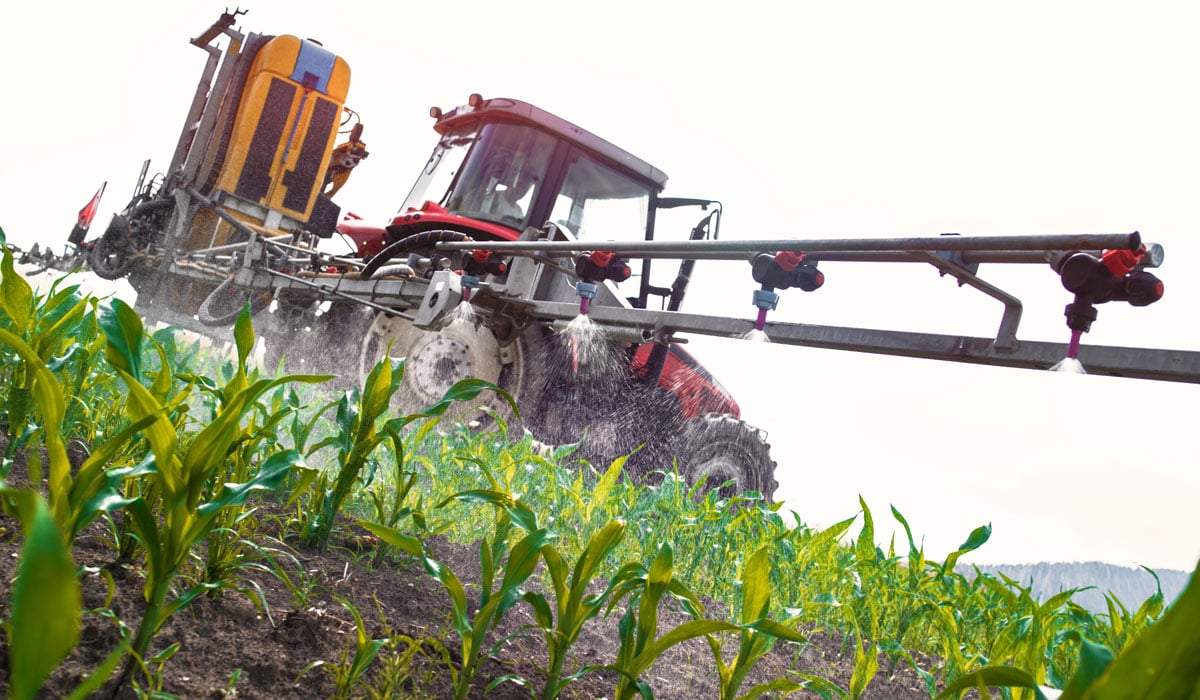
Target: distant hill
(1130, 585)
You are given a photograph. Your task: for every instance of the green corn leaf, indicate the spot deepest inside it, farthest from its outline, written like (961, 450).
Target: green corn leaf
(1094, 659)
(912, 546)
(1164, 662)
(458, 596)
(48, 340)
(100, 675)
(688, 630)
(123, 329)
(865, 546)
(866, 665)
(756, 586)
(775, 629)
(604, 487)
(780, 687)
(593, 555)
(405, 543)
(463, 390)
(268, 477)
(831, 534)
(994, 677)
(43, 624)
(975, 540)
(541, 610)
(141, 404)
(243, 335)
(520, 566)
(16, 296)
(47, 393)
(520, 513)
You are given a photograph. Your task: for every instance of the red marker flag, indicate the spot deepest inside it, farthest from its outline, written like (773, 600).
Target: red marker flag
(84, 222)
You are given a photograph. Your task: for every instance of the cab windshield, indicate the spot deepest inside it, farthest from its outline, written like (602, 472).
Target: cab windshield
(492, 175)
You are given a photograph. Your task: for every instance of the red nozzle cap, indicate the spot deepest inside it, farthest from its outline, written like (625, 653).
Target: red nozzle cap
(1121, 262)
(481, 256)
(602, 257)
(789, 259)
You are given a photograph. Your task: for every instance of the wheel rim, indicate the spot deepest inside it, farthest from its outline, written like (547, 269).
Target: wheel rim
(435, 361)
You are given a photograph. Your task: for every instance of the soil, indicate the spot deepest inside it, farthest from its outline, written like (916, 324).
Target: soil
(228, 647)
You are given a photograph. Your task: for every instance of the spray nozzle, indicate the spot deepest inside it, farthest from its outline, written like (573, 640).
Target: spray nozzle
(765, 300)
(482, 262)
(587, 292)
(1114, 276)
(469, 282)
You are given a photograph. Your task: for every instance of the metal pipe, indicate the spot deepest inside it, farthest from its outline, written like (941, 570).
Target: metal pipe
(1139, 363)
(821, 247)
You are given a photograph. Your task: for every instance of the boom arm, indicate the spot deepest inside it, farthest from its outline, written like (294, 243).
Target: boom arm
(958, 256)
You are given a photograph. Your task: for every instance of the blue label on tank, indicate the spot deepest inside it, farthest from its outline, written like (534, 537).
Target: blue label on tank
(314, 65)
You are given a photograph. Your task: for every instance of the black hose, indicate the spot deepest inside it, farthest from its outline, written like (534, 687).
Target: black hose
(425, 239)
(224, 315)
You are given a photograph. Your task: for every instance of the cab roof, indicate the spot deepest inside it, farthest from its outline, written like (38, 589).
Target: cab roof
(508, 109)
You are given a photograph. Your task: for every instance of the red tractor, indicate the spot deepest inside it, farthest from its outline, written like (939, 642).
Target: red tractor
(505, 170)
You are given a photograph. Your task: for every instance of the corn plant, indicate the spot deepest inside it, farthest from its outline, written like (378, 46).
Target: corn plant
(1159, 664)
(60, 330)
(641, 644)
(349, 673)
(46, 603)
(757, 635)
(516, 564)
(181, 476)
(562, 624)
(360, 434)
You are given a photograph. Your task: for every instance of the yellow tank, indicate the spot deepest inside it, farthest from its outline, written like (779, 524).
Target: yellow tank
(283, 132)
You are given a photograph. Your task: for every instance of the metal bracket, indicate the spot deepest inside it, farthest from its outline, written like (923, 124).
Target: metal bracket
(1006, 336)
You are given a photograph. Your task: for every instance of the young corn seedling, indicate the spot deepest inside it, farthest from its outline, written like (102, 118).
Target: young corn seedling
(350, 673)
(757, 635)
(473, 621)
(184, 518)
(640, 643)
(1160, 664)
(562, 624)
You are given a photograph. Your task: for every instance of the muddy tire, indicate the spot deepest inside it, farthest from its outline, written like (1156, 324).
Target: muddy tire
(112, 255)
(596, 401)
(728, 454)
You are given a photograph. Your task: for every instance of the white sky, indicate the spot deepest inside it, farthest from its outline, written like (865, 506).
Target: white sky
(822, 120)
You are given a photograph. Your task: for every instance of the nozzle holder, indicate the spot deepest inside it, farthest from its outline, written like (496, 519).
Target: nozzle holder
(786, 270)
(1080, 314)
(601, 265)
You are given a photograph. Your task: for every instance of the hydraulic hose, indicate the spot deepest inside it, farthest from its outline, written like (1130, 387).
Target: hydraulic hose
(425, 239)
(216, 311)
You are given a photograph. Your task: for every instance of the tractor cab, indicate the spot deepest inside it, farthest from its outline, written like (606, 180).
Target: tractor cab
(502, 165)
(509, 164)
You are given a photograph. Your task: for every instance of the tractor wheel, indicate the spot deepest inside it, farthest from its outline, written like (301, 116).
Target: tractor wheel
(112, 255)
(435, 361)
(728, 453)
